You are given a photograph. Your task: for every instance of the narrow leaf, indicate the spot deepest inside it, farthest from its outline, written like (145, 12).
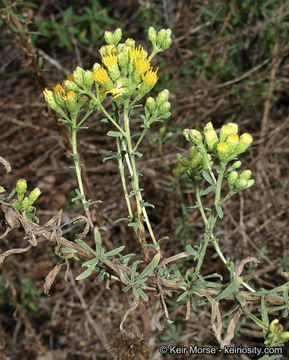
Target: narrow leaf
(150, 268)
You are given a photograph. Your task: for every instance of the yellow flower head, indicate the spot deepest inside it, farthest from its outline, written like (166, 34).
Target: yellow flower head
(70, 77)
(222, 147)
(226, 130)
(100, 76)
(142, 64)
(70, 95)
(109, 60)
(59, 89)
(150, 77)
(136, 53)
(48, 94)
(246, 138)
(232, 139)
(234, 127)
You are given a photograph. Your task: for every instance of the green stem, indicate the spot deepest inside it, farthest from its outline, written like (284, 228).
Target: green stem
(122, 176)
(199, 202)
(134, 173)
(140, 139)
(73, 129)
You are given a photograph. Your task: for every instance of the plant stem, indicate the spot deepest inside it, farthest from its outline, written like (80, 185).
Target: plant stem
(73, 130)
(134, 177)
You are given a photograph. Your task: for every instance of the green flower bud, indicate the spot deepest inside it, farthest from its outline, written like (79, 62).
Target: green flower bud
(21, 187)
(192, 152)
(24, 204)
(164, 108)
(193, 136)
(130, 42)
(151, 105)
(222, 151)
(167, 43)
(226, 130)
(196, 161)
(166, 115)
(245, 174)
(245, 141)
(211, 138)
(236, 164)
(162, 97)
(33, 196)
(71, 101)
(234, 127)
(250, 183)
(123, 60)
(162, 34)
(182, 160)
(96, 66)
(108, 37)
(232, 178)
(78, 76)
(120, 48)
(209, 126)
(241, 184)
(152, 35)
(50, 99)
(117, 36)
(2, 190)
(88, 79)
(70, 85)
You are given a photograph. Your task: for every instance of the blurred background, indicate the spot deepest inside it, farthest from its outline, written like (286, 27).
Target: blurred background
(229, 62)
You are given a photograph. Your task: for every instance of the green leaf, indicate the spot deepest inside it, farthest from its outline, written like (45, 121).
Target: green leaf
(121, 219)
(233, 286)
(150, 268)
(85, 273)
(114, 134)
(86, 246)
(114, 251)
(183, 296)
(134, 267)
(134, 224)
(219, 211)
(207, 177)
(142, 294)
(208, 190)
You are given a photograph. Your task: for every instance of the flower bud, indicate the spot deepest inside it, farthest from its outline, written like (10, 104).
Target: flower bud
(182, 160)
(88, 79)
(70, 85)
(232, 141)
(161, 37)
(129, 42)
(123, 59)
(164, 108)
(250, 183)
(162, 97)
(232, 178)
(166, 115)
(211, 138)
(152, 35)
(193, 136)
(245, 174)
(245, 141)
(236, 164)
(222, 150)
(24, 204)
(226, 130)
(117, 36)
(33, 196)
(151, 104)
(78, 76)
(234, 127)
(49, 98)
(71, 101)
(95, 67)
(241, 184)
(2, 190)
(108, 37)
(21, 187)
(166, 43)
(209, 126)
